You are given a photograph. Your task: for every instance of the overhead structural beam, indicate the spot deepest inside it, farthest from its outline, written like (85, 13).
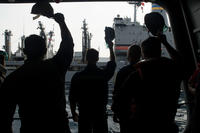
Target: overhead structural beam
(33, 1)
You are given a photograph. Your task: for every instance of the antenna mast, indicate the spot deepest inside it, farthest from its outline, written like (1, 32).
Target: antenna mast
(86, 40)
(136, 4)
(42, 32)
(7, 45)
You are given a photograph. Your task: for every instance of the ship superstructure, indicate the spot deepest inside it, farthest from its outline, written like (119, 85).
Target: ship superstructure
(129, 32)
(126, 34)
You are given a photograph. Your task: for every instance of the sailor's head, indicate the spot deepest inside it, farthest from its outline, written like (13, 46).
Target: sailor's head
(151, 48)
(134, 53)
(35, 47)
(154, 22)
(92, 56)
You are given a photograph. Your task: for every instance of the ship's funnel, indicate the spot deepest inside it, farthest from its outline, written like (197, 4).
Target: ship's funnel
(155, 23)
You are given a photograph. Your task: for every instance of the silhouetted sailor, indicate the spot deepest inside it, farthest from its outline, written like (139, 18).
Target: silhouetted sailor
(37, 87)
(89, 91)
(120, 115)
(152, 91)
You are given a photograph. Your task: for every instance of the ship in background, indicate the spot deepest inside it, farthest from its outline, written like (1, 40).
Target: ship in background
(18, 55)
(15, 60)
(129, 32)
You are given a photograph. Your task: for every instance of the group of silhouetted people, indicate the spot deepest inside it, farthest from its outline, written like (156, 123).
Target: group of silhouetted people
(145, 96)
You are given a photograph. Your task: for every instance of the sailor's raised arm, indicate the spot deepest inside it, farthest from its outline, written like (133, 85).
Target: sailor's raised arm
(65, 53)
(110, 46)
(172, 52)
(111, 65)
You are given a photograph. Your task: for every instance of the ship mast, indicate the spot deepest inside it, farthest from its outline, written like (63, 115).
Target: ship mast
(42, 31)
(135, 13)
(136, 4)
(51, 34)
(7, 46)
(49, 41)
(86, 40)
(50, 46)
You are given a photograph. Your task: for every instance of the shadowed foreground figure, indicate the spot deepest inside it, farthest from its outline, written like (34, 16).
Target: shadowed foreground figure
(151, 93)
(37, 87)
(133, 55)
(89, 91)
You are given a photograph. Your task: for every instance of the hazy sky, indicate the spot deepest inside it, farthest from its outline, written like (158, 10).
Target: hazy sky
(98, 15)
